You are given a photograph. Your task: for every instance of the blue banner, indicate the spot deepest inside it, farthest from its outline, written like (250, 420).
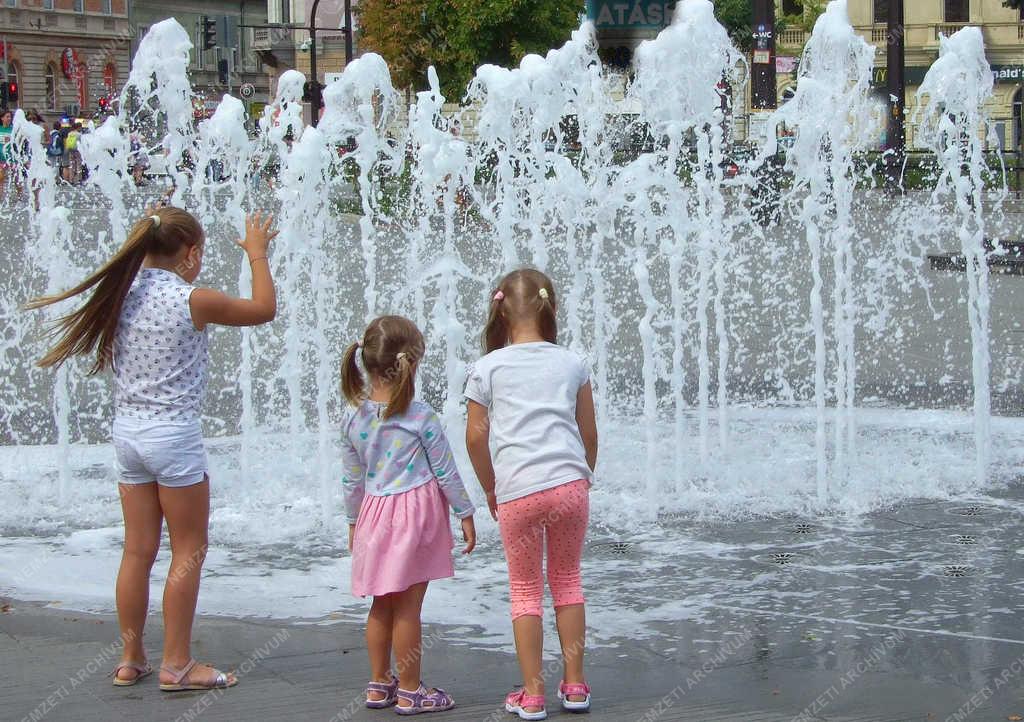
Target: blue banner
(630, 14)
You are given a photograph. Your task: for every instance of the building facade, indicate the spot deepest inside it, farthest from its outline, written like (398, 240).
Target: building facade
(65, 57)
(925, 21)
(285, 44)
(231, 67)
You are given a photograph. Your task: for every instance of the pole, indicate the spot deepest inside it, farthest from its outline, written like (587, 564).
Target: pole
(896, 86)
(317, 98)
(764, 91)
(348, 31)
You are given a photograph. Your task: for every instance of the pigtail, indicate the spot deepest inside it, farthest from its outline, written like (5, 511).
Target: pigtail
(352, 385)
(547, 318)
(403, 388)
(495, 334)
(93, 325)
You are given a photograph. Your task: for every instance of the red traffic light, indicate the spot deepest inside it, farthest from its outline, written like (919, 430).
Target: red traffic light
(12, 91)
(104, 102)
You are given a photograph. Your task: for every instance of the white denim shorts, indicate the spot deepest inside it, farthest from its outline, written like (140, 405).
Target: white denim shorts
(170, 453)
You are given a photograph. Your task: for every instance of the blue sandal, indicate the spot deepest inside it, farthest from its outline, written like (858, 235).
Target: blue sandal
(388, 689)
(422, 701)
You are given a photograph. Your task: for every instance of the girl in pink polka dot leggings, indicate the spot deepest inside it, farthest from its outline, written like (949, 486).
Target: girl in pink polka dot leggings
(530, 401)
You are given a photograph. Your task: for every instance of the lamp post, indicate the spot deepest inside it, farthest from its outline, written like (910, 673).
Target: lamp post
(318, 100)
(896, 87)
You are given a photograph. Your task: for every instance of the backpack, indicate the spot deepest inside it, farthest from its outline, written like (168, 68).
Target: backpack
(56, 146)
(71, 142)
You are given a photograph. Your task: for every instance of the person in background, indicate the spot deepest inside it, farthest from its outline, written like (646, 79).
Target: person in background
(138, 160)
(73, 169)
(55, 147)
(6, 157)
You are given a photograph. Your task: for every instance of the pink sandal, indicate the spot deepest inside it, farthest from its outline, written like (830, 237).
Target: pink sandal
(517, 702)
(574, 690)
(223, 680)
(141, 671)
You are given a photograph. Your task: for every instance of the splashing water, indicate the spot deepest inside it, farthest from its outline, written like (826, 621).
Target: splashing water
(736, 347)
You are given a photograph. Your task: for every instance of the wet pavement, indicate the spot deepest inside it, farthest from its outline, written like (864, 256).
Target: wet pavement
(909, 613)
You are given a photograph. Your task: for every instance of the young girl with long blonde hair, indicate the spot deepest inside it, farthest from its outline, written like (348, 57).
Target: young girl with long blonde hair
(146, 321)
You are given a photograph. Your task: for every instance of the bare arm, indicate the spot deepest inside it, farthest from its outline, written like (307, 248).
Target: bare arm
(587, 422)
(210, 306)
(478, 432)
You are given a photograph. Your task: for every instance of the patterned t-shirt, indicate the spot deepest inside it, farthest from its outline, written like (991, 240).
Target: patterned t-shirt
(160, 359)
(383, 457)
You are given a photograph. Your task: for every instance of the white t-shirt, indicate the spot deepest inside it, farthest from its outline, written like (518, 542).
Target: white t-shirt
(530, 391)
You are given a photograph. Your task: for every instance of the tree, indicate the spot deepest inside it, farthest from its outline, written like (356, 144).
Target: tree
(737, 16)
(457, 36)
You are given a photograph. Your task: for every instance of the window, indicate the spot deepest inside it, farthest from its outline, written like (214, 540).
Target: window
(51, 87)
(791, 7)
(47, 4)
(109, 78)
(286, 11)
(107, 7)
(881, 11)
(79, 6)
(11, 3)
(958, 11)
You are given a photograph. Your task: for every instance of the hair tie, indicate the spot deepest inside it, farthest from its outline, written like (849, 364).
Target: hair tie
(499, 296)
(400, 355)
(543, 293)
(156, 221)
(359, 343)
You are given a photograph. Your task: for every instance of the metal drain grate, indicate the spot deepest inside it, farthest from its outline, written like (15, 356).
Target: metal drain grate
(965, 539)
(972, 510)
(957, 570)
(782, 558)
(614, 549)
(803, 528)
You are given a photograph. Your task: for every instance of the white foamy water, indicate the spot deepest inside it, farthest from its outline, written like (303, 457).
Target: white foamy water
(740, 370)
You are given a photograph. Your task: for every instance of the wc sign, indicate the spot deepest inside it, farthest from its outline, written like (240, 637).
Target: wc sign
(630, 14)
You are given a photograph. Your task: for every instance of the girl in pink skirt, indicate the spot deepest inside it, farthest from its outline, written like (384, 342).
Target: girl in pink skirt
(399, 480)
(530, 401)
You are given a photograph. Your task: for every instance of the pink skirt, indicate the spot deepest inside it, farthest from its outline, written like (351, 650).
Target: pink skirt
(401, 540)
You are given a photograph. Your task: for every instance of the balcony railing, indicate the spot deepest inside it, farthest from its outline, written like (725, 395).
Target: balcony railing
(947, 29)
(879, 34)
(792, 38)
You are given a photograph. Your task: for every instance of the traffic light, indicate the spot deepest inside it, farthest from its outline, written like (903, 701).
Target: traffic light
(11, 92)
(104, 103)
(209, 28)
(222, 71)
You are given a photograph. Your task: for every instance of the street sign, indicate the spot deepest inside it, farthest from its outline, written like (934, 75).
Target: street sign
(630, 14)
(247, 90)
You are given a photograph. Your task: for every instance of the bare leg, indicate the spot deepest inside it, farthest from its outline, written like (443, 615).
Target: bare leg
(187, 510)
(529, 634)
(142, 523)
(406, 635)
(571, 621)
(378, 641)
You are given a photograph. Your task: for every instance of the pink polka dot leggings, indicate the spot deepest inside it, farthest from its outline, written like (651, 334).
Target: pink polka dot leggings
(560, 514)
